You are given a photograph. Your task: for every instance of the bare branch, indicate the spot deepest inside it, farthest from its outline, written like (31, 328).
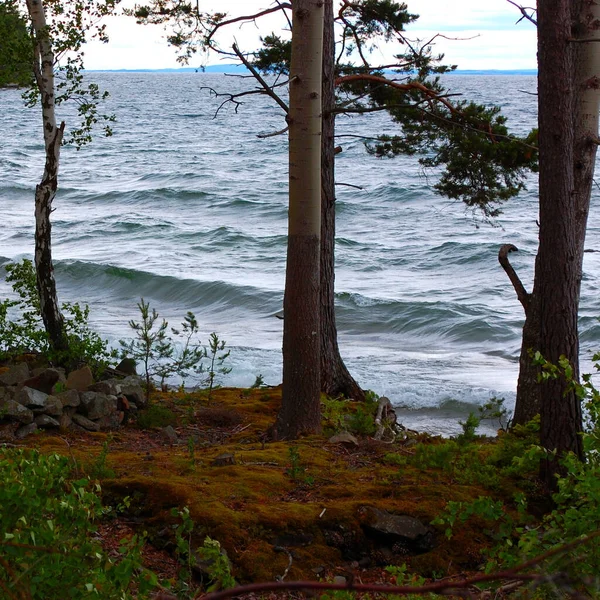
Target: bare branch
(268, 89)
(523, 10)
(263, 136)
(522, 294)
(350, 185)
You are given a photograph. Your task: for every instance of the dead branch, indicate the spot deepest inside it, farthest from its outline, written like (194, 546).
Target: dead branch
(522, 294)
(247, 18)
(350, 185)
(268, 89)
(523, 10)
(263, 136)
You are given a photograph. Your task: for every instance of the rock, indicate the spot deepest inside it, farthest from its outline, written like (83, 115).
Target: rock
(85, 423)
(169, 434)
(25, 430)
(112, 421)
(15, 411)
(31, 398)
(95, 405)
(15, 374)
(408, 532)
(127, 366)
(132, 390)
(69, 398)
(80, 379)
(110, 387)
(52, 406)
(339, 580)
(227, 458)
(45, 380)
(343, 438)
(45, 422)
(65, 421)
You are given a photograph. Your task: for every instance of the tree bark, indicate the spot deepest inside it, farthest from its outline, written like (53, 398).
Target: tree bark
(527, 404)
(558, 264)
(335, 377)
(301, 399)
(45, 191)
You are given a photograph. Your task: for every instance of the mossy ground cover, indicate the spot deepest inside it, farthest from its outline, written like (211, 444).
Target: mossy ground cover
(304, 495)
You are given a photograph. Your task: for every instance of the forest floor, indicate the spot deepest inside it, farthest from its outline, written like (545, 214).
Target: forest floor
(299, 510)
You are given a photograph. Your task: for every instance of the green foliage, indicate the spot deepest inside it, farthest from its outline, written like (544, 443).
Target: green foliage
(99, 468)
(47, 548)
(16, 50)
(340, 416)
(216, 563)
(162, 356)
(295, 469)
(576, 505)
(469, 428)
(156, 415)
(70, 24)
(22, 329)
(216, 361)
(362, 421)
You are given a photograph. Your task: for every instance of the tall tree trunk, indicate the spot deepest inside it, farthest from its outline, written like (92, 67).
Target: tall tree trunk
(301, 399)
(335, 377)
(45, 191)
(558, 265)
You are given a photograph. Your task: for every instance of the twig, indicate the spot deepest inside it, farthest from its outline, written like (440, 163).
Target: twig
(351, 185)
(263, 136)
(287, 570)
(523, 10)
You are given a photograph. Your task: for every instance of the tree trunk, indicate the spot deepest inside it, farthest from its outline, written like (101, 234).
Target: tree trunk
(46, 190)
(527, 405)
(558, 264)
(301, 399)
(335, 378)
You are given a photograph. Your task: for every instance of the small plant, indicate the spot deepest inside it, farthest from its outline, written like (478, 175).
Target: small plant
(259, 383)
(295, 470)
(469, 428)
(495, 410)
(25, 332)
(156, 416)
(100, 468)
(216, 360)
(218, 566)
(362, 422)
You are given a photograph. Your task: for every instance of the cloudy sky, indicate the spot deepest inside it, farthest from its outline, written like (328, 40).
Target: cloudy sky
(478, 34)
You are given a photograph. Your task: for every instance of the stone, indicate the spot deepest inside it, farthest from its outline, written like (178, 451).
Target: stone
(31, 398)
(80, 379)
(169, 434)
(15, 411)
(343, 438)
(127, 366)
(46, 422)
(339, 580)
(98, 406)
(223, 460)
(25, 430)
(112, 421)
(65, 421)
(132, 390)
(16, 374)
(110, 387)
(69, 398)
(410, 533)
(85, 423)
(52, 406)
(45, 380)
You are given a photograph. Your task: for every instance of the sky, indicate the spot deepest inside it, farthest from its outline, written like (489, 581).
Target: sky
(475, 34)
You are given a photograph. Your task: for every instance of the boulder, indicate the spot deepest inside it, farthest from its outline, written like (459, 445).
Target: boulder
(223, 460)
(343, 438)
(127, 366)
(31, 398)
(52, 406)
(80, 379)
(85, 423)
(69, 398)
(132, 390)
(15, 374)
(112, 421)
(169, 434)
(46, 422)
(398, 530)
(95, 405)
(111, 387)
(25, 430)
(65, 420)
(45, 380)
(10, 409)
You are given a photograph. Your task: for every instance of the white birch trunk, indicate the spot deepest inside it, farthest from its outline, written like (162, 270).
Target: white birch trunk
(46, 190)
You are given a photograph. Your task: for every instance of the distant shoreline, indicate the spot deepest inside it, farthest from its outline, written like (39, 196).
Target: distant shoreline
(239, 69)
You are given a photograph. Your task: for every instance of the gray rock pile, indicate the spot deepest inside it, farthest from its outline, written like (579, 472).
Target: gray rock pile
(48, 398)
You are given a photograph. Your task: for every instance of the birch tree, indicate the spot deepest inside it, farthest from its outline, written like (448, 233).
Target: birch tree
(59, 28)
